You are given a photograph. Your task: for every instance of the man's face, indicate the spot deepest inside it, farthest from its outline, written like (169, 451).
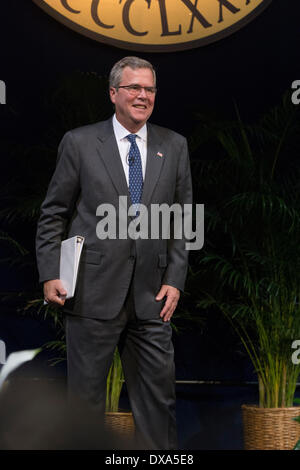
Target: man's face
(133, 111)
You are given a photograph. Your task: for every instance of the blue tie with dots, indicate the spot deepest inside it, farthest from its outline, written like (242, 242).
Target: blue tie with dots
(135, 172)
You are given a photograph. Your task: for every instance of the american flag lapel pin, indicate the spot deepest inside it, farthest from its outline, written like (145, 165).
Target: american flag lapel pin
(159, 154)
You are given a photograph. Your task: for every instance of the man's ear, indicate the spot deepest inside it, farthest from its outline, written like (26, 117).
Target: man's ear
(112, 94)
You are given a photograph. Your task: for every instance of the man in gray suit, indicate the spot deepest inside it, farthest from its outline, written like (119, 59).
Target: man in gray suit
(127, 289)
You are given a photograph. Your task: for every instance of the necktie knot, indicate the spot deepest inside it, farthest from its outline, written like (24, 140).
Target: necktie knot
(131, 138)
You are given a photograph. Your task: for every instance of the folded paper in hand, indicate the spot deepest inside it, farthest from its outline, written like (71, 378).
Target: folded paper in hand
(69, 263)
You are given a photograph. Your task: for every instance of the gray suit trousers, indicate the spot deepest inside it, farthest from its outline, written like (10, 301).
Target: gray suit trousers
(147, 357)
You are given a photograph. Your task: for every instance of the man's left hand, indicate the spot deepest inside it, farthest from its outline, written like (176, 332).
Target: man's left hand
(172, 295)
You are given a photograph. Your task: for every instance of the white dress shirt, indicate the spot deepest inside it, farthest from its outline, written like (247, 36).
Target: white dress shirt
(124, 145)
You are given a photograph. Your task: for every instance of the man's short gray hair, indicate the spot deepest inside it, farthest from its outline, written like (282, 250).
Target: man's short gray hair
(134, 63)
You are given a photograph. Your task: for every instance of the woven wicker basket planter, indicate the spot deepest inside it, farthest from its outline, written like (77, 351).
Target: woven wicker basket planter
(270, 428)
(121, 423)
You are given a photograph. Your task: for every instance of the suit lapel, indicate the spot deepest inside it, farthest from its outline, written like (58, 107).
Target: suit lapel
(154, 163)
(109, 152)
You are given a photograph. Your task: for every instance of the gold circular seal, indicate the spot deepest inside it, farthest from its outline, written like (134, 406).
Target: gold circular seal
(154, 25)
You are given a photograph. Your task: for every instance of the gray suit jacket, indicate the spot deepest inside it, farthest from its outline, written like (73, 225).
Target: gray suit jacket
(89, 172)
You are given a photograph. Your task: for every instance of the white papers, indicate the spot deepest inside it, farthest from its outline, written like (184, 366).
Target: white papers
(69, 262)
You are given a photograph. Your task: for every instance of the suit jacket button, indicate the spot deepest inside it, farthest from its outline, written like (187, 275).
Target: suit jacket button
(132, 258)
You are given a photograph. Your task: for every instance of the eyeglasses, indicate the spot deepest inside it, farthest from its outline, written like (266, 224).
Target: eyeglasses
(135, 90)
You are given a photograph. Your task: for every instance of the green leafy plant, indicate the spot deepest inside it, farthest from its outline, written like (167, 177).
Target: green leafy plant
(250, 268)
(114, 383)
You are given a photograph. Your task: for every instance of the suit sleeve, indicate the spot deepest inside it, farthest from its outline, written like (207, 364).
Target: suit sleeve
(57, 208)
(176, 271)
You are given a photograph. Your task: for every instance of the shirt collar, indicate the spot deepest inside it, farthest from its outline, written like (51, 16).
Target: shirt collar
(121, 132)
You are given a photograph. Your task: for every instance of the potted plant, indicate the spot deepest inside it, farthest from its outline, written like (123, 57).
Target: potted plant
(120, 421)
(250, 267)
